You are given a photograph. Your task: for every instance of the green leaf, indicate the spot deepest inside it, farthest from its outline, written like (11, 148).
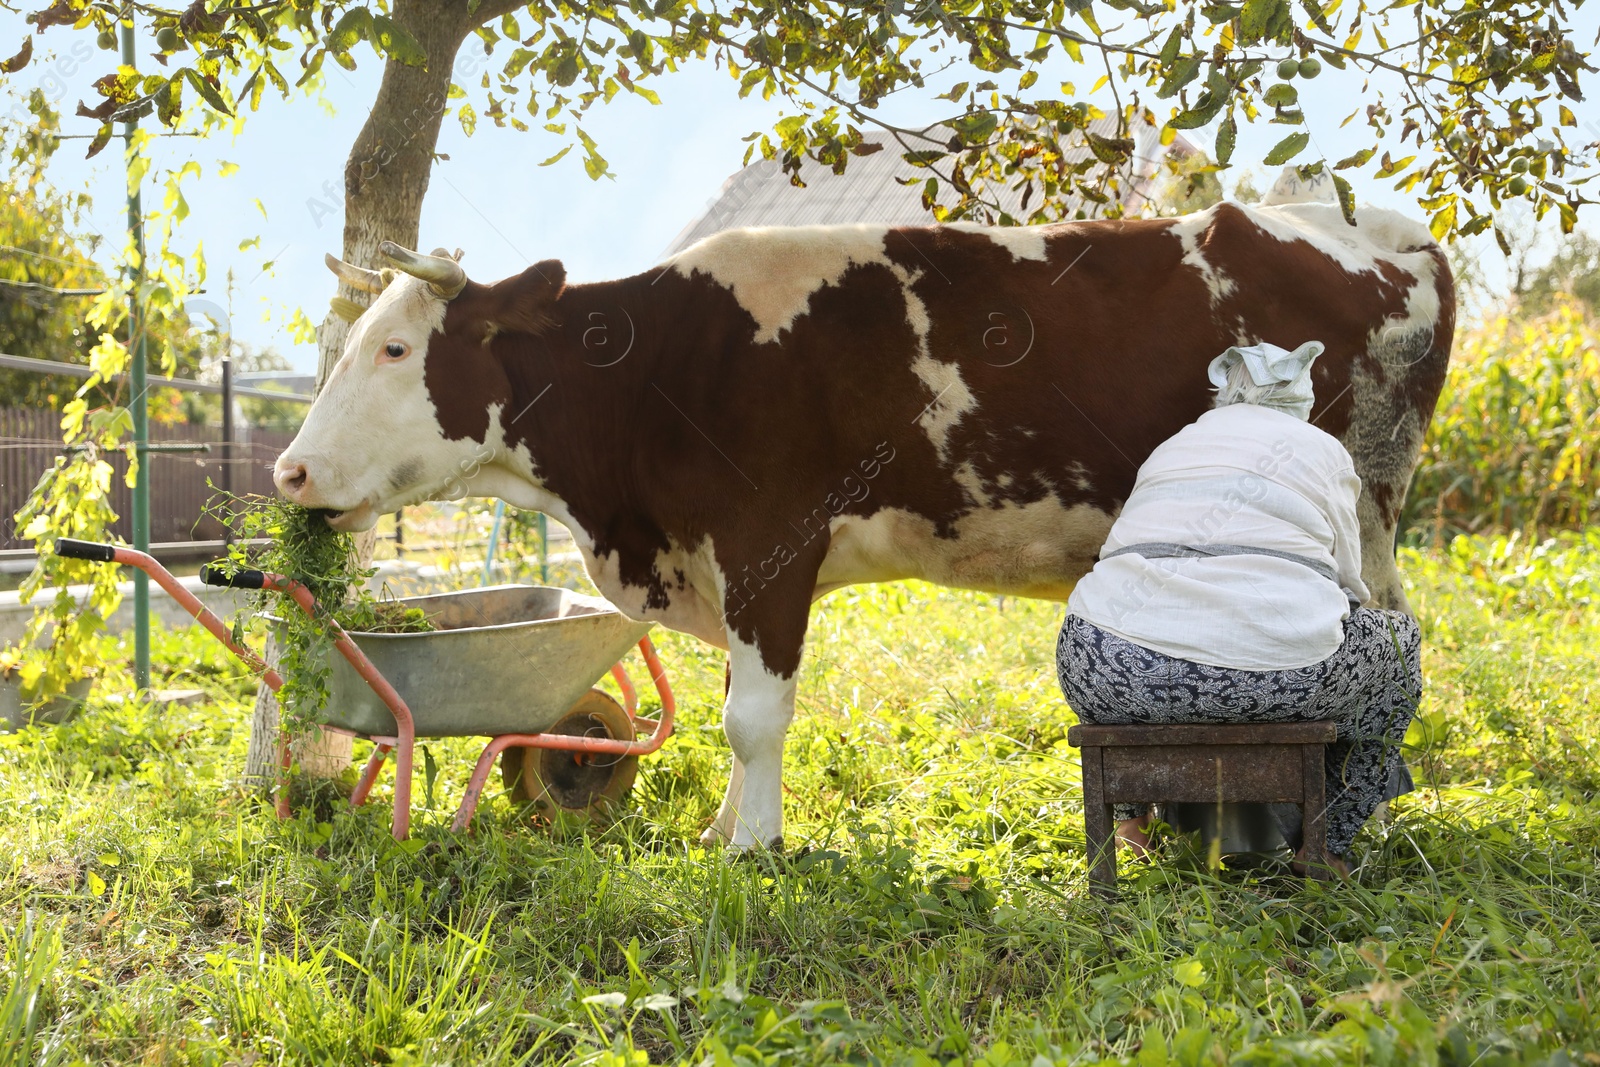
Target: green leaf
(1203, 112)
(430, 775)
(1109, 149)
(1181, 74)
(355, 25)
(207, 91)
(1169, 51)
(1281, 95)
(1255, 18)
(1287, 148)
(1226, 134)
(395, 42)
(975, 127)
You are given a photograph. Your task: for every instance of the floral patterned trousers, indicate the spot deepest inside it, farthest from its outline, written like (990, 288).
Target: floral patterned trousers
(1369, 686)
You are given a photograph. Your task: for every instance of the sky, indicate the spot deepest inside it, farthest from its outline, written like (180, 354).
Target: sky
(491, 198)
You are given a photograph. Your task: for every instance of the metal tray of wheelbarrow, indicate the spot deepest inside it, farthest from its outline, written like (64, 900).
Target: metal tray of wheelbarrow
(505, 659)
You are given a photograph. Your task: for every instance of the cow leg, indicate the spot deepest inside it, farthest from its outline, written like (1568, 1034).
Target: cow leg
(1393, 392)
(756, 719)
(722, 827)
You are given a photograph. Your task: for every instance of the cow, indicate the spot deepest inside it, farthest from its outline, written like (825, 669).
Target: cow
(775, 413)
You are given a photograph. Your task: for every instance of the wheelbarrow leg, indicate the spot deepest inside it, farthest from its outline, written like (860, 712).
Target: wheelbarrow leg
(401, 826)
(480, 778)
(369, 775)
(281, 791)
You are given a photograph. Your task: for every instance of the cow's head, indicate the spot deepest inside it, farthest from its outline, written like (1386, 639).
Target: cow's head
(385, 431)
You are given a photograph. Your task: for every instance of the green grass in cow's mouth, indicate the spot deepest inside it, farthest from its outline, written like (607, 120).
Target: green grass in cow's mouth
(283, 538)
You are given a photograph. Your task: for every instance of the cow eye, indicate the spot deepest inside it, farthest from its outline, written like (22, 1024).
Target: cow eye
(395, 350)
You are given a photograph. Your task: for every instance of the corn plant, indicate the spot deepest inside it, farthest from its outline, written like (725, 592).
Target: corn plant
(1515, 442)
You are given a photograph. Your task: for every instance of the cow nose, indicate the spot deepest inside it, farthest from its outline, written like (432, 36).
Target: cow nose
(291, 479)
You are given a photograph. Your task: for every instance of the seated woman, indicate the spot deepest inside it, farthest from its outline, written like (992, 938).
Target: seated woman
(1229, 591)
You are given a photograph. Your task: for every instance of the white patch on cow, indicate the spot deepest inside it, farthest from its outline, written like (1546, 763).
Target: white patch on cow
(967, 477)
(950, 399)
(1188, 230)
(1379, 234)
(1039, 549)
(1080, 476)
(773, 271)
(1023, 242)
(348, 465)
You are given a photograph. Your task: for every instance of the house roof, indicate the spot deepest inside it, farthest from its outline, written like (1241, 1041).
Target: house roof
(760, 194)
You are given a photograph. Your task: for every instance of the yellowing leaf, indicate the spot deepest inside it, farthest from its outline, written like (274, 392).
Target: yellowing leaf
(1191, 973)
(1443, 221)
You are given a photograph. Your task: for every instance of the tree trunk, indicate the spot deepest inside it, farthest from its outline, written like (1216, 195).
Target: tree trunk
(385, 179)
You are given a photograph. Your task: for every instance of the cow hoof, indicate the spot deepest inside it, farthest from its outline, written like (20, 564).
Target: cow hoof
(751, 850)
(713, 838)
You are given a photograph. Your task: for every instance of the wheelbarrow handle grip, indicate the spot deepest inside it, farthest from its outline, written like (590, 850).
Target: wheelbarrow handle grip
(72, 548)
(217, 574)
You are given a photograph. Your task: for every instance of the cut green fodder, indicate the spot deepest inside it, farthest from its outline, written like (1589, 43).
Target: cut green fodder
(299, 544)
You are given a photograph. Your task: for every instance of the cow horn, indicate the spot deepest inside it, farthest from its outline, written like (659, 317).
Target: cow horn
(360, 278)
(443, 274)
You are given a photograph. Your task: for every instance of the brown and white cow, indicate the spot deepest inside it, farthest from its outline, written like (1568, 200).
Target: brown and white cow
(776, 413)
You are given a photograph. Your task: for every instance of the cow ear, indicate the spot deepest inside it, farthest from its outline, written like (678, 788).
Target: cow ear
(527, 302)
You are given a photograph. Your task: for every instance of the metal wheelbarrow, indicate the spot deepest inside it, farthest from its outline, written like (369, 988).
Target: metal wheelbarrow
(512, 663)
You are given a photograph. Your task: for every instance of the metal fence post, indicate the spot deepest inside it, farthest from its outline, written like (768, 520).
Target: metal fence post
(227, 437)
(140, 399)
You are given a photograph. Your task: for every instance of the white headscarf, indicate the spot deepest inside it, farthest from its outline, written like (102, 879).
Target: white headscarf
(1282, 377)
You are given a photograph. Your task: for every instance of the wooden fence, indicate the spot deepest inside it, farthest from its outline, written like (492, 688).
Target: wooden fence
(30, 441)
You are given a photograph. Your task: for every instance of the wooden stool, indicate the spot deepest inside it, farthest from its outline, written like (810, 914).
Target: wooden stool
(1255, 762)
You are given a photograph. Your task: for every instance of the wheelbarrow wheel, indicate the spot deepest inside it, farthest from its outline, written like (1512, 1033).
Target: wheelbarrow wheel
(588, 785)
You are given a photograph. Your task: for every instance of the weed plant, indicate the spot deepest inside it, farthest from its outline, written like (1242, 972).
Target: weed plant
(932, 907)
(276, 536)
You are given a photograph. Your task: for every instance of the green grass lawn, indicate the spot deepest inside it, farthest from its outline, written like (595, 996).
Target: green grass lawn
(932, 906)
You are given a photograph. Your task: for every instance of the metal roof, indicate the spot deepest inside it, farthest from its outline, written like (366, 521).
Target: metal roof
(760, 194)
